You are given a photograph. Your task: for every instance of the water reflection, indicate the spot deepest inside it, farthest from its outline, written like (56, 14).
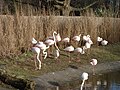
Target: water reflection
(109, 81)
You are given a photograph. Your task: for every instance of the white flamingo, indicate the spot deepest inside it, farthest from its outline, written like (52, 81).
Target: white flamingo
(66, 40)
(93, 62)
(69, 49)
(84, 77)
(99, 40)
(58, 38)
(36, 50)
(88, 43)
(104, 42)
(76, 38)
(85, 39)
(34, 41)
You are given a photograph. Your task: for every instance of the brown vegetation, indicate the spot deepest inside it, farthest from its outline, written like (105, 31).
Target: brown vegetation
(16, 32)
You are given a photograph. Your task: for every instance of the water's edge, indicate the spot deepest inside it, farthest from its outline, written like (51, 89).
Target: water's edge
(64, 79)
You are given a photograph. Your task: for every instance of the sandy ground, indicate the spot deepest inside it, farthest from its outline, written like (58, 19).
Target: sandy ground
(55, 80)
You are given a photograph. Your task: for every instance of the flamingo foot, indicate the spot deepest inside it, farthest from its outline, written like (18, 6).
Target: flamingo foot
(39, 68)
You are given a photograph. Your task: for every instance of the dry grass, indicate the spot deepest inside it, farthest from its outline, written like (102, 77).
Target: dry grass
(23, 66)
(16, 32)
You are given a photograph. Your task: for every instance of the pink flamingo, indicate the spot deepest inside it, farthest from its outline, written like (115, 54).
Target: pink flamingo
(69, 49)
(43, 47)
(50, 42)
(66, 41)
(77, 38)
(80, 51)
(93, 62)
(36, 50)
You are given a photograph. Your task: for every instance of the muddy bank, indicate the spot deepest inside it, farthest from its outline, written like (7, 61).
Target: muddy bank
(18, 83)
(63, 79)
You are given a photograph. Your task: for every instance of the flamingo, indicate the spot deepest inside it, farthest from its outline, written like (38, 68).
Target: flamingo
(58, 38)
(99, 39)
(79, 50)
(56, 54)
(84, 77)
(93, 62)
(104, 42)
(50, 42)
(43, 47)
(77, 38)
(37, 51)
(66, 41)
(85, 39)
(88, 43)
(69, 49)
(34, 41)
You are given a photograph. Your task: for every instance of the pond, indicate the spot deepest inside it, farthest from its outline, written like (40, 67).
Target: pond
(109, 81)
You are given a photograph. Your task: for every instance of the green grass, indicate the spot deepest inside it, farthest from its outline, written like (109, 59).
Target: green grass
(23, 65)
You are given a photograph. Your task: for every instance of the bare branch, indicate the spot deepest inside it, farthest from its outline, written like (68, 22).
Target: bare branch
(58, 7)
(80, 9)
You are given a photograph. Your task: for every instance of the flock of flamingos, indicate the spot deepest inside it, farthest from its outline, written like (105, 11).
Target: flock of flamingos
(40, 47)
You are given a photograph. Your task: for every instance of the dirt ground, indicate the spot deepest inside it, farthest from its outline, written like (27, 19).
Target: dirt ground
(55, 80)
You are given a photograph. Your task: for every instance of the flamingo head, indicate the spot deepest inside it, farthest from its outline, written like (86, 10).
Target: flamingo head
(55, 32)
(34, 41)
(84, 76)
(93, 62)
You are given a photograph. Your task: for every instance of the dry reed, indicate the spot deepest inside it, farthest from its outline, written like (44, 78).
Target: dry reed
(16, 32)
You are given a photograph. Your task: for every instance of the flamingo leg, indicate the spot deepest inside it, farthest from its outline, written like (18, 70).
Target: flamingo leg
(93, 70)
(69, 57)
(41, 56)
(35, 64)
(39, 64)
(78, 57)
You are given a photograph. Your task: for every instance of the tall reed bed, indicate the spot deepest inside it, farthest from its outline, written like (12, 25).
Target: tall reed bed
(16, 32)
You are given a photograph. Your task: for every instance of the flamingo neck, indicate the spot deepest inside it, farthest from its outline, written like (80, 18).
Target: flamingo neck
(38, 54)
(82, 84)
(79, 35)
(55, 40)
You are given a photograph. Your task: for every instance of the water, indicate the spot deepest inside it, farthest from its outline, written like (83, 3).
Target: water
(109, 81)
